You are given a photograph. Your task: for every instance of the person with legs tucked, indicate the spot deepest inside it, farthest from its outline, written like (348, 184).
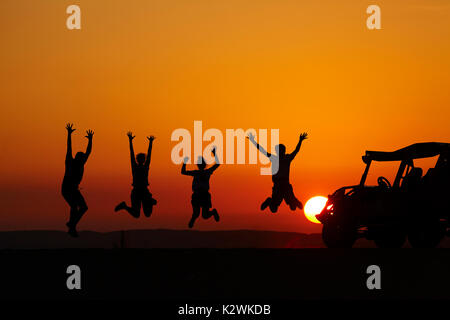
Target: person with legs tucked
(140, 195)
(201, 198)
(281, 163)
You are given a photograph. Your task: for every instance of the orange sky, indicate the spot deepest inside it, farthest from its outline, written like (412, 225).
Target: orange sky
(155, 66)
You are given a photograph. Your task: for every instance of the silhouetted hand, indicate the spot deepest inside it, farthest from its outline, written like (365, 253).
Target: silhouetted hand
(89, 134)
(251, 137)
(151, 138)
(130, 135)
(70, 128)
(303, 136)
(185, 160)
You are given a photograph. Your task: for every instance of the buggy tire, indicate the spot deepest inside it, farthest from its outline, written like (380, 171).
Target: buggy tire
(426, 235)
(338, 236)
(390, 237)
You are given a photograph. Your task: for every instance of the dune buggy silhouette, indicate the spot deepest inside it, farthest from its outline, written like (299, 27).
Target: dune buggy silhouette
(414, 206)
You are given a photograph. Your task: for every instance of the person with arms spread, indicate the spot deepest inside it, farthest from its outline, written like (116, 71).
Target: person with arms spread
(281, 163)
(201, 198)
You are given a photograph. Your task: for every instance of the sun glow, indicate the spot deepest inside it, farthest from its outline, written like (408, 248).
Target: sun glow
(314, 206)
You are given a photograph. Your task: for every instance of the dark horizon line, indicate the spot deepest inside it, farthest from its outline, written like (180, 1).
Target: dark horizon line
(162, 229)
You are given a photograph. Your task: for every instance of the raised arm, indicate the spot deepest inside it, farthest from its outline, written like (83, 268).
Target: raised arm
(217, 164)
(303, 136)
(149, 152)
(89, 135)
(130, 139)
(70, 129)
(251, 137)
(183, 168)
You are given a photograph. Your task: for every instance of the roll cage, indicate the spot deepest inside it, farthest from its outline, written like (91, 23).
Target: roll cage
(406, 157)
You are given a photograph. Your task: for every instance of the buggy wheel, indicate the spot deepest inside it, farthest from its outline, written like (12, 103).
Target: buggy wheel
(390, 237)
(338, 236)
(426, 235)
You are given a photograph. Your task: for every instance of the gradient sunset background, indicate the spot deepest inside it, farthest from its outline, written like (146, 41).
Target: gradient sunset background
(155, 66)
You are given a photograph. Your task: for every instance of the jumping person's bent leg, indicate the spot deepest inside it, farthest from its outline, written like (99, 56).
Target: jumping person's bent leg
(215, 214)
(206, 213)
(135, 208)
(266, 203)
(291, 200)
(147, 203)
(72, 218)
(68, 195)
(71, 224)
(274, 207)
(195, 215)
(204, 201)
(82, 208)
(277, 198)
(77, 208)
(298, 203)
(76, 202)
(136, 200)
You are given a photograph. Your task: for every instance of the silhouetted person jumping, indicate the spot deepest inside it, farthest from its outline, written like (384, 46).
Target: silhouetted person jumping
(140, 194)
(282, 189)
(201, 198)
(72, 179)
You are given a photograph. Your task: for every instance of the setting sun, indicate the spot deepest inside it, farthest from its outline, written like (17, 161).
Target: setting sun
(314, 206)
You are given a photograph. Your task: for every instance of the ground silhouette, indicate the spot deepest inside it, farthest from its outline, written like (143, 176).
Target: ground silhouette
(163, 238)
